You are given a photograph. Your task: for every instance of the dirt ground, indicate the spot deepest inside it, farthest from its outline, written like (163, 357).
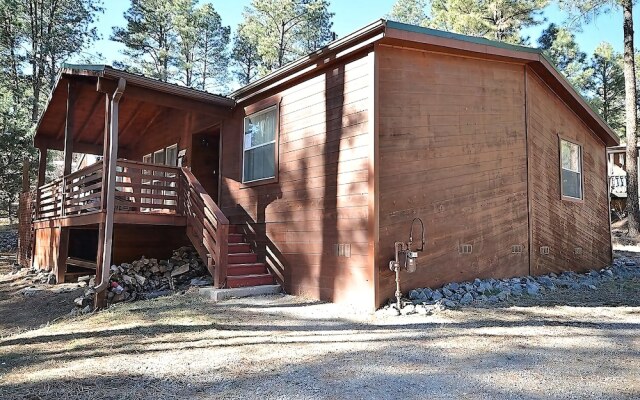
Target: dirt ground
(573, 345)
(19, 312)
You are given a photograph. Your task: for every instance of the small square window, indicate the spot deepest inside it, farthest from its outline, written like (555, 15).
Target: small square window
(571, 170)
(259, 146)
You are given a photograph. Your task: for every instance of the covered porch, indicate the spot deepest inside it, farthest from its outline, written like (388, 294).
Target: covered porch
(129, 122)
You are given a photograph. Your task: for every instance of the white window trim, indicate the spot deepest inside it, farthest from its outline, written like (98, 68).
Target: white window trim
(580, 171)
(275, 138)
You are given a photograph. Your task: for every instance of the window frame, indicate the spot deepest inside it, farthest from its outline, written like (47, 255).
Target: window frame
(261, 108)
(581, 164)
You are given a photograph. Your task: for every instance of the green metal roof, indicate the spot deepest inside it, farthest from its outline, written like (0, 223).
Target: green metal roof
(458, 36)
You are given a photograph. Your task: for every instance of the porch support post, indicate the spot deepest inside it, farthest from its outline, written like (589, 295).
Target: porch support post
(69, 129)
(42, 171)
(63, 244)
(110, 194)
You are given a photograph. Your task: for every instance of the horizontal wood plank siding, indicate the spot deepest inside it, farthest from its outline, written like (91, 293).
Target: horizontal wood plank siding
(321, 196)
(46, 248)
(452, 152)
(564, 225)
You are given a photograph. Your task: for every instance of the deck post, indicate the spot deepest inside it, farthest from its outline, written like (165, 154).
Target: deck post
(69, 133)
(63, 244)
(110, 190)
(69, 129)
(42, 171)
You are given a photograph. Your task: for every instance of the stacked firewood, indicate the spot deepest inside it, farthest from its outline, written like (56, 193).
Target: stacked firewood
(149, 278)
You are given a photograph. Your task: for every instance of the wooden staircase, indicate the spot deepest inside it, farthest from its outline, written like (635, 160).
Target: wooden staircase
(243, 268)
(228, 256)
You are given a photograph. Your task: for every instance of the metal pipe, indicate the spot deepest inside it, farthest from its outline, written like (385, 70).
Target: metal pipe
(111, 183)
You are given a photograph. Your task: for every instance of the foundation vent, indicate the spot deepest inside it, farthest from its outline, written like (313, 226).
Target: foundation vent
(516, 249)
(343, 250)
(544, 250)
(466, 249)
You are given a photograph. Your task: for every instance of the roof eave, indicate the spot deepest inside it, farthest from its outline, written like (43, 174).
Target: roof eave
(334, 46)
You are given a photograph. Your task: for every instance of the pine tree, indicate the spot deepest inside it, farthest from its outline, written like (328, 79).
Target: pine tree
(585, 10)
(501, 20)
(246, 59)
(607, 86)
(560, 47)
(283, 30)
(175, 41)
(412, 12)
(36, 36)
(149, 37)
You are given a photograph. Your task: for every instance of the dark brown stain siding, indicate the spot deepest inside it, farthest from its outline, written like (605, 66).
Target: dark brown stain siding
(321, 196)
(564, 225)
(452, 152)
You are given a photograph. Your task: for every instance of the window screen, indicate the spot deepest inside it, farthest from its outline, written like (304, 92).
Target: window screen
(259, 161)
(571, 169)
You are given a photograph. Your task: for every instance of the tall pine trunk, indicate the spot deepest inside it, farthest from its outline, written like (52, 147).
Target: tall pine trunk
(632, 208)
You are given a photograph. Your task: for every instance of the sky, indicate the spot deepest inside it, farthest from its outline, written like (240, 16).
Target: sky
(351, 15)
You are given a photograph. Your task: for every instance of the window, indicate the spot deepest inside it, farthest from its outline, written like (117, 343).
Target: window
(259, 149)
(571, 169)
(167, 156)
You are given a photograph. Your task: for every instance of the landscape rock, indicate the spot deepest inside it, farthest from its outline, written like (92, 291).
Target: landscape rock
(533, 289)
(491, 291)
(466, 299)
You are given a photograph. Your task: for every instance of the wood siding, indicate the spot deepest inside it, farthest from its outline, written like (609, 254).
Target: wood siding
(452, 152)
(46, 248)
(321, 196)
(559, 224)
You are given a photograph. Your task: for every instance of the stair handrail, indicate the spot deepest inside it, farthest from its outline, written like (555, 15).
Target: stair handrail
(191, 185)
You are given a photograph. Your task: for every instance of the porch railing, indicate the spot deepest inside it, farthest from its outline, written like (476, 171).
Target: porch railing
(140, 188)
(618, 184)
(144, 188)
(206, 224)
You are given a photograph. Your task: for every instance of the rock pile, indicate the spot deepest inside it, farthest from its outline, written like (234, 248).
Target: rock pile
(8, 241)
(149, 278)
(491, 291)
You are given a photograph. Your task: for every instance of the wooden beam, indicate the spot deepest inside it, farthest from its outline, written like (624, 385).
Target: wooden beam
(78, 147)
(42, 166)
(69, 129)
(134, 114)
(89, 118)
(174, 101)
(143, 132)
(63, 253)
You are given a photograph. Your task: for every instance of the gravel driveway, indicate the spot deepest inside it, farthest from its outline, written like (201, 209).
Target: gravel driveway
(282, 347)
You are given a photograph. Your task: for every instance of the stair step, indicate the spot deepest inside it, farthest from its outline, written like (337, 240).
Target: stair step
(242, 258)
(246, 269)
(249, 280)
(236, 238)
(239, 248)
(234, 229)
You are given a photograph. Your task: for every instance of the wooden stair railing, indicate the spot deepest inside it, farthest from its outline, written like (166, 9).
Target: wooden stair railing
(207, 226)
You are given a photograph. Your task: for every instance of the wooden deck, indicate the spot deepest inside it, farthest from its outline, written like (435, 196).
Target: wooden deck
(145, 194)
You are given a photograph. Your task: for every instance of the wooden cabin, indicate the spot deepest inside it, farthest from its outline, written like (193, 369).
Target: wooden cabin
(309, 175)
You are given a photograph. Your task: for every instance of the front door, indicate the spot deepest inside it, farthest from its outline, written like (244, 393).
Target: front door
(205, 157)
